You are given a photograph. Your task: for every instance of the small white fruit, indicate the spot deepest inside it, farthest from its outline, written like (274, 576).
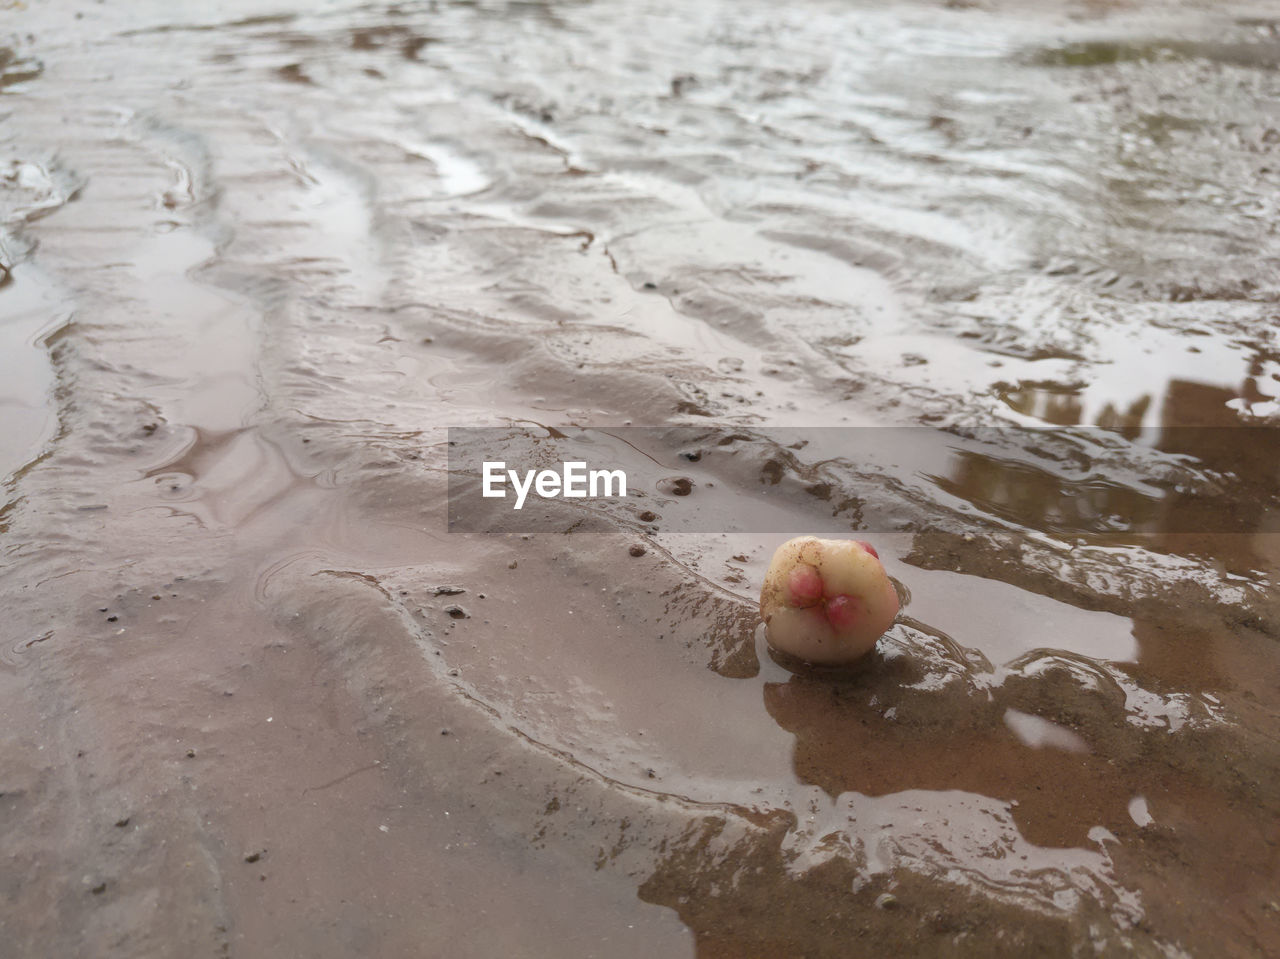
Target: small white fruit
(826, 601)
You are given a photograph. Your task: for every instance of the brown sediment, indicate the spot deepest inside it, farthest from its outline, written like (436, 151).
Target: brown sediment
(258, 699)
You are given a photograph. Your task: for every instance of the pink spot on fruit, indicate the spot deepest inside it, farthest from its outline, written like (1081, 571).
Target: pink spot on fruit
(843, 611)
(804, 584)
(868, 547)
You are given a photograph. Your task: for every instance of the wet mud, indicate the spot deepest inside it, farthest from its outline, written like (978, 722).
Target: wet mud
(257, 698)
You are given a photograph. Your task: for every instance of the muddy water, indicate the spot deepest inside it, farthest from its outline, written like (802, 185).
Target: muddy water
(256, 699)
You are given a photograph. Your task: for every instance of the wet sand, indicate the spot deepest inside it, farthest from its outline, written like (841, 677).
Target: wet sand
(257, 699)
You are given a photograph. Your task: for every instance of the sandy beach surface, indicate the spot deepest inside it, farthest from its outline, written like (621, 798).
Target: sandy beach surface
(259, 699)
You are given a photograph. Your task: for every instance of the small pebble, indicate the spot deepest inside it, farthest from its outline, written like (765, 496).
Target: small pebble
(648, 516)
(637, 550)
(676, 485)
(455, 612)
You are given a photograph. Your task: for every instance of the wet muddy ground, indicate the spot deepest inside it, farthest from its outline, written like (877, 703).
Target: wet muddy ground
(256, 699)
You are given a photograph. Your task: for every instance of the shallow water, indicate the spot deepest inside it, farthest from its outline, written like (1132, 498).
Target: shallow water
(258, 699)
